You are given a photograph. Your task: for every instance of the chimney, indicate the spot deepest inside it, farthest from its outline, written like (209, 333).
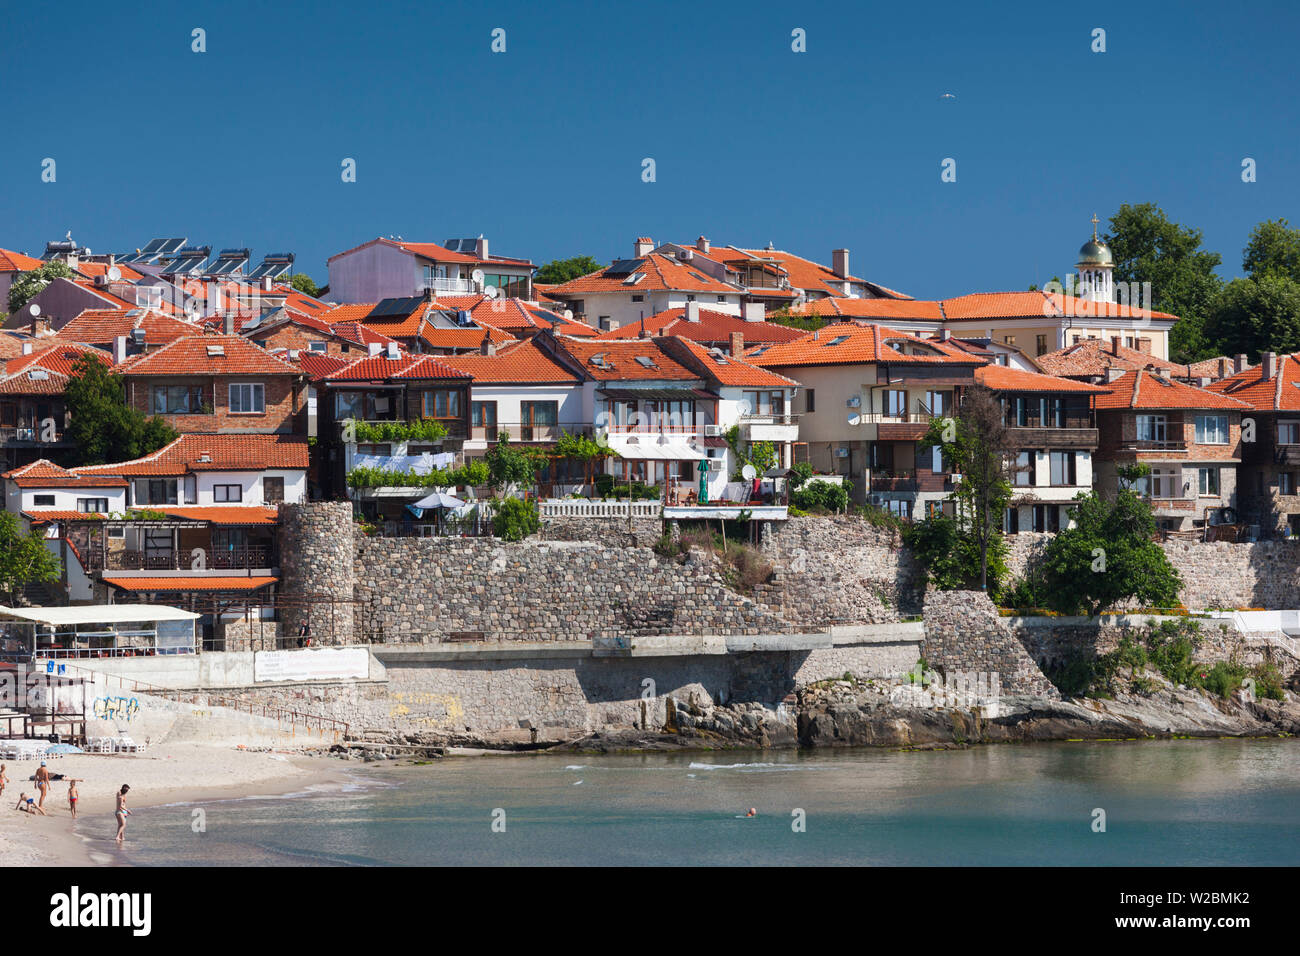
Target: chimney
(119, 350)
(229, 324)
(755, 312)
(1202, 381)
(267, 282)
(1144, 345)
(392, 350)
(1114, 345)
(1223, 368)
(737, 344)
(1113, 372)
(1239, 363)
(27, 348)
(692, 312)
(840, 262)
(702, 244)
(486, 347)
(481, 248)
(945, 335)
(375, 348)
(1269, 361)
(641, 248)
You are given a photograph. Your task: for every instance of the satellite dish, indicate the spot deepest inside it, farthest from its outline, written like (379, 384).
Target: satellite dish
(855, 419)
(114, 273)
(36, 309)
(749, 473)
(478, 276)
(568, 315)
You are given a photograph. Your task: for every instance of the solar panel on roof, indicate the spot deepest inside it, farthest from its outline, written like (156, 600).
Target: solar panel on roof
(395, 308)
(623, 267)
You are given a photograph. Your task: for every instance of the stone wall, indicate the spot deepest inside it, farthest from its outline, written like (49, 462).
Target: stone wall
(248, 634)
(317, 551)
(840, 570)
(615, 532)
(427, 589)
(965, 634)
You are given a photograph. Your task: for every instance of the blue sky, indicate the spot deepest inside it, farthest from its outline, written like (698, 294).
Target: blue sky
(540, 148)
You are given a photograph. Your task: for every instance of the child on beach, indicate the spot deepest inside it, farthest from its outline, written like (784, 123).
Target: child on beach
(27, 805)
(121, 812)
(72, 796)
(3, 779)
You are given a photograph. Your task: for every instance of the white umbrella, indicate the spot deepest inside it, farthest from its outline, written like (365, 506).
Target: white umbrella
(438, 500)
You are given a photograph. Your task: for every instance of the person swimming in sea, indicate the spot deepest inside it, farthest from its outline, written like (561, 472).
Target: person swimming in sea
(28, 805)
(752, 812)
(121, 812)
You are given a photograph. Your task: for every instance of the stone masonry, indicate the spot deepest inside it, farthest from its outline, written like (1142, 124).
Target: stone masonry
(964, 634)
(317, 575)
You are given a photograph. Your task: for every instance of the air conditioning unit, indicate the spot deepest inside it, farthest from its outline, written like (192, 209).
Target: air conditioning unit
(877, 500)
(854, 402)
(715, 431)
(715, 464)
(954, 478)
(841, 453)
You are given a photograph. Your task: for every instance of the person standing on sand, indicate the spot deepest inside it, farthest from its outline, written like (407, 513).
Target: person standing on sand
(122, 812)
(3, 779)
(42, 782)
(72, 797)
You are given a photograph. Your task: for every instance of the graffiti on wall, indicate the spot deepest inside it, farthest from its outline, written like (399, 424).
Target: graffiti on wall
(116, 708)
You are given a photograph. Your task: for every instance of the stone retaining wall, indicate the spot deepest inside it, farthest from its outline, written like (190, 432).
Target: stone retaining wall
(615, 532)
(964, 634)
(317, 548)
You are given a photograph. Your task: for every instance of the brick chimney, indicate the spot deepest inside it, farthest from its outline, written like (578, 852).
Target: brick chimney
(487, 347)
(642, 247)
(1223, 368)
(1269, 362)
(840, 262)
(692, 313)
(737, 344)
(1114, 345)
(1144, 345)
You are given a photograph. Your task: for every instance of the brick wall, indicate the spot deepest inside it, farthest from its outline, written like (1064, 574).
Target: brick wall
(280, 397)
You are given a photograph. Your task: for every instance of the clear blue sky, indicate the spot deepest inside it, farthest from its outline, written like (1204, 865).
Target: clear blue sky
(540, 148)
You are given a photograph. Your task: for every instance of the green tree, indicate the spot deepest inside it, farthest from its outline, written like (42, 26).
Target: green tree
(1273, 248)
(304, 284)
(515, 519)
(950, 555)
(1108, 556)
(102, 428)
(1257, 314)
(562, 270)
(508, 467)
(796, 320)
(979, 448)
(1149, 247)
(24, 559)
(28, 285)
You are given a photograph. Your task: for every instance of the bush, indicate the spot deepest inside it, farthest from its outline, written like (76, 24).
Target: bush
(799, 474)
(820, 497)
(515, 519)
(951, 557)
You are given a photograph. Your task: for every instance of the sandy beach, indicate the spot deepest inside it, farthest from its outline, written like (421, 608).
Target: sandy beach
(166, 774)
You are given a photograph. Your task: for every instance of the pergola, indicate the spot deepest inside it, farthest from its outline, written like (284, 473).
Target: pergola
(97, 630)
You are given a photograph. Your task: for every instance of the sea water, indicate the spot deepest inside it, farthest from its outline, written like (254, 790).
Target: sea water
(1184, 802)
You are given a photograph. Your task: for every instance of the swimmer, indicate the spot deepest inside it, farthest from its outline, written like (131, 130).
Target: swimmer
(752, 812)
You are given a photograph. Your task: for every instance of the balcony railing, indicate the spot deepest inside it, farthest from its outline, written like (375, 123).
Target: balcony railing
(893, 481)
(1144, 444)
(515, 431)
(888, 418)
(770, 418)
(227, 559)
(449, 286)
(10, 434)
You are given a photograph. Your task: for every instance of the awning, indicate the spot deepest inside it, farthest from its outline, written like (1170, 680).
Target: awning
(204, 583)
(99, 614)
(225, 514)
(650, 447)
(654, 394)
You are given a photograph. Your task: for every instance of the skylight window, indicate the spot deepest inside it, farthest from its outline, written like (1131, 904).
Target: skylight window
(634, 278)
(838, 339)
(760, 351)
(646, 362)
(216, 350)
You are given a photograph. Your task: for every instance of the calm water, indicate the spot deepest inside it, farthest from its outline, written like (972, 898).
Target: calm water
(1167, 803)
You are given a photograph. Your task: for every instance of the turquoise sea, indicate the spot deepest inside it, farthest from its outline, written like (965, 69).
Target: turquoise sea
(1176, 803)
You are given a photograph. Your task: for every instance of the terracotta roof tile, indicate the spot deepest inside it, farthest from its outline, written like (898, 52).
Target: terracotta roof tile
(1038, 304)
(660, 273)
(380, 368)
(102, 326)
(724, 369)
(198, 355)
(846, 343)
(711, 327)
(522, 363)
(190, 582)
(192, 453)
(1143, 390)
(618, 361)
(1005, 379)
(1281, 392)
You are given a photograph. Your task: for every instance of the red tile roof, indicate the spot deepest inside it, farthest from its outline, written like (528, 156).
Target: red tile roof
(1002, 378)
(380, 368)
(1143, 390)
(660, 272)
(722, 368)
(1281, 392)
(525, 363)
(617, 361)
(432, 251)
(46, 515)
(192, 582)
(846, 343)
(54, 356)
(1038, 304)
(223, 514)
(92, 269)
(102, 326)
(45, 474)
(880, 309)
(711, 327)
(803, 273)
(192, 453)
(17, 262)
(319, 365)
(194, 355)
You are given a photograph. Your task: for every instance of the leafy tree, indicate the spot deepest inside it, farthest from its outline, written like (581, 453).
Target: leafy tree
(507, 466)
(951, 556)
(1273, 248)
(1108, 556)
(979, 447)
(28, 285)
(796, 320)
(1257, 314)
(820, 496)
(515, 519)
(24, 559)
(1149, 247)
(562, 270)
(304, 284)
(102, 428)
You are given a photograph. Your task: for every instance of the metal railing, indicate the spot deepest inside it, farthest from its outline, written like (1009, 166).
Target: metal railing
(770, 418)
(449, 285)
(1145, 444)
(216, 559)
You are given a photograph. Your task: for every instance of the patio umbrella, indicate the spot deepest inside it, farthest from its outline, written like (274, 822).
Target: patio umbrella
(435, 501)
(704, 482)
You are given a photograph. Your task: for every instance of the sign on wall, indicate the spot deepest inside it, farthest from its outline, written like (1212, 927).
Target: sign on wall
(317, 663)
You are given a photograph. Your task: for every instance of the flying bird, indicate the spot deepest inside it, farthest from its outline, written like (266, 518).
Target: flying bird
(947, 96)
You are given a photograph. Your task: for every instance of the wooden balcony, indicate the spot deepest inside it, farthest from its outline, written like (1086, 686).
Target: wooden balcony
(1084, 438)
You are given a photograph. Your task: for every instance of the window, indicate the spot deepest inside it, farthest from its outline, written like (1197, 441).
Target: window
(809, 400)
(1009, 339)
(443, 403)
(1207, 481)
(1286, 483)
(537, 419)
(1161, 483)
(484, 415)
(318, 346)
(1058, 413)
(155, 491)
(247, 398)
(272, 490)
(1011, 521)
(765, 403)
(1211, 430)
(176, 399)
(690, 298)
(895, 402)
(43, 501)
(227, 493)
(939, 403)
(92, 506)
(1040, 344)
(638, 298)
(1151, 428)
(1062, 467)
(603, 323)
(722, 298)
(1024, 468)
(936, 460)
(1288, 433)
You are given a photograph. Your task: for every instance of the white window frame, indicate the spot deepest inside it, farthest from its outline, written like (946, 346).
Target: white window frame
(1156, 423)
(1203, 431)
(256, 390)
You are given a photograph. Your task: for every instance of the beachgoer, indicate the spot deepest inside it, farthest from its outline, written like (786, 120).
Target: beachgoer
(27, 805)
(3, 779)
(72, 796)
(42, 782)
(752, 812)
(121, 812)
